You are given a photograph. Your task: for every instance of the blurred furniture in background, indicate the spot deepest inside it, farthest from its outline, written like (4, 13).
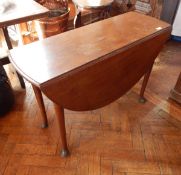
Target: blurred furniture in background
(175, 93)
(4, 54)
(3, 50)
(148, 7)
(169, 10)
(6, 92)
(143, 7)
(101, 7)
(55, 23)
(57, 20)
(123, 6)
(31, 32)
(16, 14)
(52, 25)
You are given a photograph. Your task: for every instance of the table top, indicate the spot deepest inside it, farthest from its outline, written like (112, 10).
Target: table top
(60, 55)
(92, 4)
(22, 11)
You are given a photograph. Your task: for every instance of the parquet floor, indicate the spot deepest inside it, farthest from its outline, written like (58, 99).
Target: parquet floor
(123, 138)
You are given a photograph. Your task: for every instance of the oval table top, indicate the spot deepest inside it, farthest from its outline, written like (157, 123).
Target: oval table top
(92, 66)
(44, 60)
(91, 4)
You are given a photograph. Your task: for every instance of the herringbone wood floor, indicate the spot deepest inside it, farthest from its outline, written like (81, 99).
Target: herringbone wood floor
(124, 138)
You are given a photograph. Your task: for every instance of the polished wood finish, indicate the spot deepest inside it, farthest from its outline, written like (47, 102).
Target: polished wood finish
(123, 138)
(100, 69)
(89, 38)
(41, 105)
(22, 11)
(175, 93)
(97, 87)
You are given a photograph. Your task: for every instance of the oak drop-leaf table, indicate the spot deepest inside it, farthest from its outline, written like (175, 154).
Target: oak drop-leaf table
(92, 66)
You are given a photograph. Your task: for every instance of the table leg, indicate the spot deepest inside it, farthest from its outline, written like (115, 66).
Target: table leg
(8, 41)
(77, 19)
(41, 105)
(7, 38)
(144, 84)
(61, 122)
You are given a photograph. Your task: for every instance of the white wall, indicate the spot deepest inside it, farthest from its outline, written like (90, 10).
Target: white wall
(177, 23)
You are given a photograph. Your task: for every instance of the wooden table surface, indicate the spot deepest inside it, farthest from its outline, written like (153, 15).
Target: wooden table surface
(22, 11)
(90, 67)
(56, 56)
(92, 4)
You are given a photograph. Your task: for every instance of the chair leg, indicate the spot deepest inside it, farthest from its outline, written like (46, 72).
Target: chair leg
(22, 83)
(8, 41)
(142, 99)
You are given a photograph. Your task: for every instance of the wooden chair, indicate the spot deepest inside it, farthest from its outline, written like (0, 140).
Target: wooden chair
(4, 59)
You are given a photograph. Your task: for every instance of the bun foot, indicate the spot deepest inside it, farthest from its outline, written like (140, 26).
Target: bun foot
(64, 153)
(142, 100)
(45, 125)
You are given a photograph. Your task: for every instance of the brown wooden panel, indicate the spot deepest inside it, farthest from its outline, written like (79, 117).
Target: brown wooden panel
(100, 83)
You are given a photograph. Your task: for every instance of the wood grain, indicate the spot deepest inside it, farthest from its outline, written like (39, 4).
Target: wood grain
(102, 140)
(91, 87)
(94, 43)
